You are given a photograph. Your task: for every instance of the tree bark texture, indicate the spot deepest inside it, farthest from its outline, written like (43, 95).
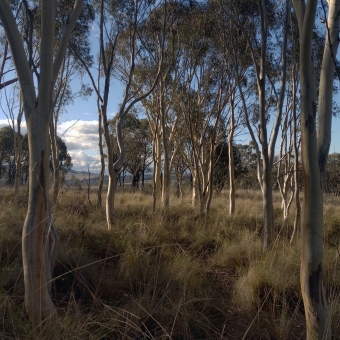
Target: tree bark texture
(39, 238)
(231, 157)
(102, 162)
(311, 275)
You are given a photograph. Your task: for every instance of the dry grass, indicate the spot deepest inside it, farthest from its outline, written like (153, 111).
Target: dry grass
(166, 275)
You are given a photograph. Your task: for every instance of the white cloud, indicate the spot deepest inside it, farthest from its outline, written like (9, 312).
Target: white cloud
(79, 135)
(82, 160)
(81, 138)
(5, 122)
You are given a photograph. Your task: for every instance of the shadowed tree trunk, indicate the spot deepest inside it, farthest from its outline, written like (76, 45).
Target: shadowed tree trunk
(39, 238)
(315, 147)
(231, 157)
(102, 162)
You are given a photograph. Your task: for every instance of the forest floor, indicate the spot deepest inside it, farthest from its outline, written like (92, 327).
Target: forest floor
(167, 275)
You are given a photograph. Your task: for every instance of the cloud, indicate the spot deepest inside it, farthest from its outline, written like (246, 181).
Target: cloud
(79, 135)
(5, 122)
(82, 160)
(81, 138)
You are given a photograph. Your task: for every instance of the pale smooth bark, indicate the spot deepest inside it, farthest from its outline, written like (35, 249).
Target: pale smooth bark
(39, 238)
(267, 148)
(326, 86)
(101, 103)
(55, 161)
(231, 157)
(102, 162)
(285, 168)
(157, 154)
(18, 153)
(297, 218)
(314, 156)
(127, 104)
(268, 208)
(166, 167)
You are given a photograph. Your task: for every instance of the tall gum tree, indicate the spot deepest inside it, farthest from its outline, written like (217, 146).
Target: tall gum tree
(39, 238)
(136, 13)
(315, 146)
(265, 145)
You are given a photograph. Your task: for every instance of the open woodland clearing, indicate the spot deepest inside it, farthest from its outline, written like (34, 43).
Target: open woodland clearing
(167, 275)
(194, 76)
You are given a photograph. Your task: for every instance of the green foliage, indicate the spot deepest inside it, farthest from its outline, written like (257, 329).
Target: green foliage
(64, 158)
(221, 169)
(138, 147)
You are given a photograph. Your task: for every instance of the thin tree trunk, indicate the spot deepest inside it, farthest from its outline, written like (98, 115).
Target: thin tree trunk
(210, 174)
(194, 187)
(156, 186)
(102, 162)
(297, 217)
(231, 158)
(55, 161)
(268, 210)
(166, 168)
(112, 184)
(18, 153)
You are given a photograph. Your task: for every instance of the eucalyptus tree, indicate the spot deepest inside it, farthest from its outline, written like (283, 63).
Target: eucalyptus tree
(131, 51)
(138, 141)
(120, 47)
(315, 142)
(163, 26)
(202, 96)
(63, 94)
(39, 239)
(252, 21)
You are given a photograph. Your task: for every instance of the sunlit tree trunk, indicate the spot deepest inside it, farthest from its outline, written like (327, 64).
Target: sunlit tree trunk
(166, 167)
(194, 195)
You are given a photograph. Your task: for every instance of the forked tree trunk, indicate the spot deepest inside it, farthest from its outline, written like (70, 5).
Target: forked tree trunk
(39, 238)
(314, 157)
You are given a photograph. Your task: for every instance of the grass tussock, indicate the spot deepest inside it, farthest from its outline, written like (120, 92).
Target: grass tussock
(167, 274)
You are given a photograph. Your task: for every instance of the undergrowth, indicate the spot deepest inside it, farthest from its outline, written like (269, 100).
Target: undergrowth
(168, 274)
